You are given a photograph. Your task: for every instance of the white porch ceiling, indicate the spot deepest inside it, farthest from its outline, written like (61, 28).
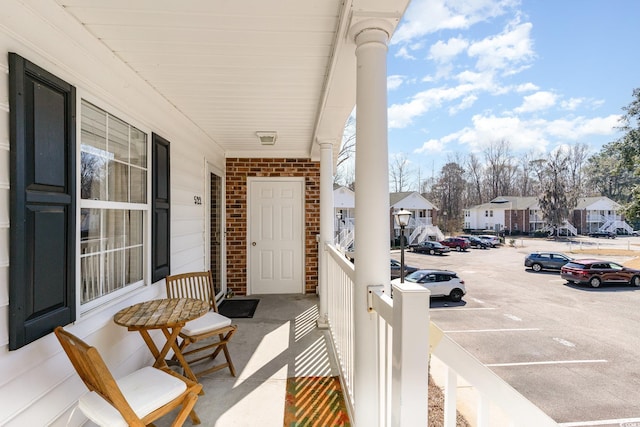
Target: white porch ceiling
(235, 67)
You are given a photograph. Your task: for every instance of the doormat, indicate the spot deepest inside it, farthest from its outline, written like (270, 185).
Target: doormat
(238, 307)
(315, 402)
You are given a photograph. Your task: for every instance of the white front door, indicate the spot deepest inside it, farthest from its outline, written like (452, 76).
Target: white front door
(275, 233)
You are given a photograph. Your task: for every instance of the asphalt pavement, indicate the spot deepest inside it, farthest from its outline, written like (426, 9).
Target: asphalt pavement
(572, 350)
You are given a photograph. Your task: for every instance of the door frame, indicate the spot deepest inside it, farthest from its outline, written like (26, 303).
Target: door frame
(211, 169)
(250, 181)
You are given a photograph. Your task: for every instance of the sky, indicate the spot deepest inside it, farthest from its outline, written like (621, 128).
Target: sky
(463, 74)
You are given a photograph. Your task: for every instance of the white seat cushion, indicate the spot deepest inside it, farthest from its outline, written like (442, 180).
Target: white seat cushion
(145, 389)
(209, 322)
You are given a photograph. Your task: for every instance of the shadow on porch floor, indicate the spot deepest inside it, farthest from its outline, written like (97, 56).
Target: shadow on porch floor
(281, 341)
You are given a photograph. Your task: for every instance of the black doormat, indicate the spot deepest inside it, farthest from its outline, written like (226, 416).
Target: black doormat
(238, 307)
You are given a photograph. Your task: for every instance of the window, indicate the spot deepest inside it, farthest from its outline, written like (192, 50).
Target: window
(486, 213)
(113, 205)
(491, 213)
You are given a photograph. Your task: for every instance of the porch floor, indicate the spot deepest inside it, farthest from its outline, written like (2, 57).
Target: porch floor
(281, 341)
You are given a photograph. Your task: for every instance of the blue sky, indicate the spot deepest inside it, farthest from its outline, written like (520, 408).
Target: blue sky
(537, 73)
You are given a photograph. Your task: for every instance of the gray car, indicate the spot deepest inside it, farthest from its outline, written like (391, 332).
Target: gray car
(539, 261)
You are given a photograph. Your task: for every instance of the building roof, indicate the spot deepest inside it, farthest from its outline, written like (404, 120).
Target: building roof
(410, 200)
(508, 202)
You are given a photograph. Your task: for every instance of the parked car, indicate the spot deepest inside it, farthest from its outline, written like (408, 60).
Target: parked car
(457, 243)
(538, 261)
(607, 234)
(596, 272)
(441, 283)
(494, 241)
(476, 242)
(430, 248)
(395, 269)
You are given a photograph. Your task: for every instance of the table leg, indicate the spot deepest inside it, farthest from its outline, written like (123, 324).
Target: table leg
(160, 362)
(172, 341)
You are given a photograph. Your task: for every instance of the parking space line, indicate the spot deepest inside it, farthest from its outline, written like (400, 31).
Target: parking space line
(549, 362)
(512, 317)
(619, 421)
(492, 330)
(461, 309)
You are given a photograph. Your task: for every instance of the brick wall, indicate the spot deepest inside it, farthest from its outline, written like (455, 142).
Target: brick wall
(237, 171)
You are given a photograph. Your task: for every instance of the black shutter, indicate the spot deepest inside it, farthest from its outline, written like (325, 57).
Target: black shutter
(43, 202)
(161, 194)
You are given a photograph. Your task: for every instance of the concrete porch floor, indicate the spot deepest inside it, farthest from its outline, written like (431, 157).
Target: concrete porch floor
(279, 342)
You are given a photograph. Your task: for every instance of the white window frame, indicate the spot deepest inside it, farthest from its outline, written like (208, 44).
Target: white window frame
(104, 300)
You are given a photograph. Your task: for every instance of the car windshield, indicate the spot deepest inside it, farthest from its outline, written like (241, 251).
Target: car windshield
(416, 276)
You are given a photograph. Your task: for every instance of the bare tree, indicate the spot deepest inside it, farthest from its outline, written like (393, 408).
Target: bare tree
(577, 159)
(557, 197)
(499, 169)
(400, 172)
(345, 172)
(474, 173)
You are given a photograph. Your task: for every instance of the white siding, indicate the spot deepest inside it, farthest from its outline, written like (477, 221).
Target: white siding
(37, 383)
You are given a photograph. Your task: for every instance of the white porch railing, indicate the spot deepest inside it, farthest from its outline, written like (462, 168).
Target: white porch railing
(492, 389)
(340, 279)
(399, 367)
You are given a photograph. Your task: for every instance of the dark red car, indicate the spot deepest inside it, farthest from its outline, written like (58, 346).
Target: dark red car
(457, 243)
(596, 272)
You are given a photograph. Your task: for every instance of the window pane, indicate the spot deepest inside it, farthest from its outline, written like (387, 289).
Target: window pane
(93, 174)
(134, 228)
(138, 147)
(134, 265)
(90, 273)
(113, 271)
(118, 182)
(114, 234)
(89, 231)
(138, 185)
(118, 139)
(94, 126)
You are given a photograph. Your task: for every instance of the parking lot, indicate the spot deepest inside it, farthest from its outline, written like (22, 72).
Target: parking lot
(572, 350)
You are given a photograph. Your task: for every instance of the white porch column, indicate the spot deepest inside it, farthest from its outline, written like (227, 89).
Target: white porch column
(326, 226)
(371, 209)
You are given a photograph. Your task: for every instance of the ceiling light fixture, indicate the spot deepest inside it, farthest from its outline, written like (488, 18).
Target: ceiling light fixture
(267, 138)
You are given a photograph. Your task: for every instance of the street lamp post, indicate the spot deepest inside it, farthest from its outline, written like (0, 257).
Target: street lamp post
(402, 219)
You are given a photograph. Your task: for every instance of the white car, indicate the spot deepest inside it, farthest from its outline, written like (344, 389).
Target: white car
(441, 283)
(492, 240)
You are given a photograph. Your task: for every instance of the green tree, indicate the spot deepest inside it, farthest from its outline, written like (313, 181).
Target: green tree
(629, 148)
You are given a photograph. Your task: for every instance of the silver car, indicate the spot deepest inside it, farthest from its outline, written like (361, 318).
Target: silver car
(538, 261)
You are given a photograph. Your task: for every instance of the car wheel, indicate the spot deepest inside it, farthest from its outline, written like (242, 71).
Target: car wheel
(536, 267)
(458, 248)
(595, 282)
(635, 281)
(431, 252)
(456, 295)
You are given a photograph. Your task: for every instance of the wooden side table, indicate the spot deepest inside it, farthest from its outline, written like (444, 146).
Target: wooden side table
(169, 315)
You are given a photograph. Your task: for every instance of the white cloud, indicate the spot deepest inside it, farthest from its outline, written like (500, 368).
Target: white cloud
(538, 101)
(506, 51)
(394, 82)
(524, 135)
(465, 104)
(427, 16)
(403, 52)
(572, 103)
(446, 51)
(402, 115)
(526, 87)
(431, 146)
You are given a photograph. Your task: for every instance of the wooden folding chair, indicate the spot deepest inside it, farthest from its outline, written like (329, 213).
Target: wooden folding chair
(212, 325)
(134, 400)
